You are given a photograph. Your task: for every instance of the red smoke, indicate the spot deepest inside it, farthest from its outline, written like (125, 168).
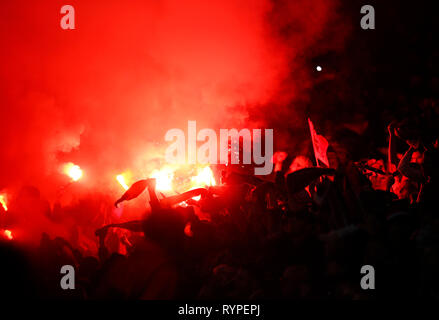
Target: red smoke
(103, 95)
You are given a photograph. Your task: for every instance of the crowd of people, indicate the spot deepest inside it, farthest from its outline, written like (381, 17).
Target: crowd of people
(303, 234)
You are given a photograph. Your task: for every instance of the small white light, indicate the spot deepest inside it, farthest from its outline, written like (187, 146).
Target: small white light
(319, 68)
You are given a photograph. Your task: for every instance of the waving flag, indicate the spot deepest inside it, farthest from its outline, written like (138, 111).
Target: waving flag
(320, 145)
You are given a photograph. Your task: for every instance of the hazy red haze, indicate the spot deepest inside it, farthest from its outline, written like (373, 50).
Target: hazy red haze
(103, 95)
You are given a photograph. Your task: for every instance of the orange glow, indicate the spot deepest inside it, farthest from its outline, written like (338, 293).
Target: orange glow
(3, 202)
(163, 179)
(188, 230)
(121, 179)
(73, 171)
(204, 178)
(180, 179)
(8, 234)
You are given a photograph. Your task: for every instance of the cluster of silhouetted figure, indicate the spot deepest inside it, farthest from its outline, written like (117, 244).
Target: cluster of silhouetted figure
(303, 233)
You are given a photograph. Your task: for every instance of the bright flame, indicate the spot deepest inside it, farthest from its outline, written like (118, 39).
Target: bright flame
(3, 202)
(204, 178)
(120, 178)
(8, 234)
(73, 171)
(163, 179)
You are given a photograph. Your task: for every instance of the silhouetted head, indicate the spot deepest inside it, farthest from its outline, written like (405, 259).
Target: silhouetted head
(165, 227)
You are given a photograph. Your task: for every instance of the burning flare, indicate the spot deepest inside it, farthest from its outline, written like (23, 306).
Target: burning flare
(174, 179)
(204, 178)
(8, 234)
(121, 179)
(3, 202)
(73, 171)
(163, 179)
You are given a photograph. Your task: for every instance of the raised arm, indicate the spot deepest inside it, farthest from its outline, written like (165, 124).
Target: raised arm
(408, 169)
